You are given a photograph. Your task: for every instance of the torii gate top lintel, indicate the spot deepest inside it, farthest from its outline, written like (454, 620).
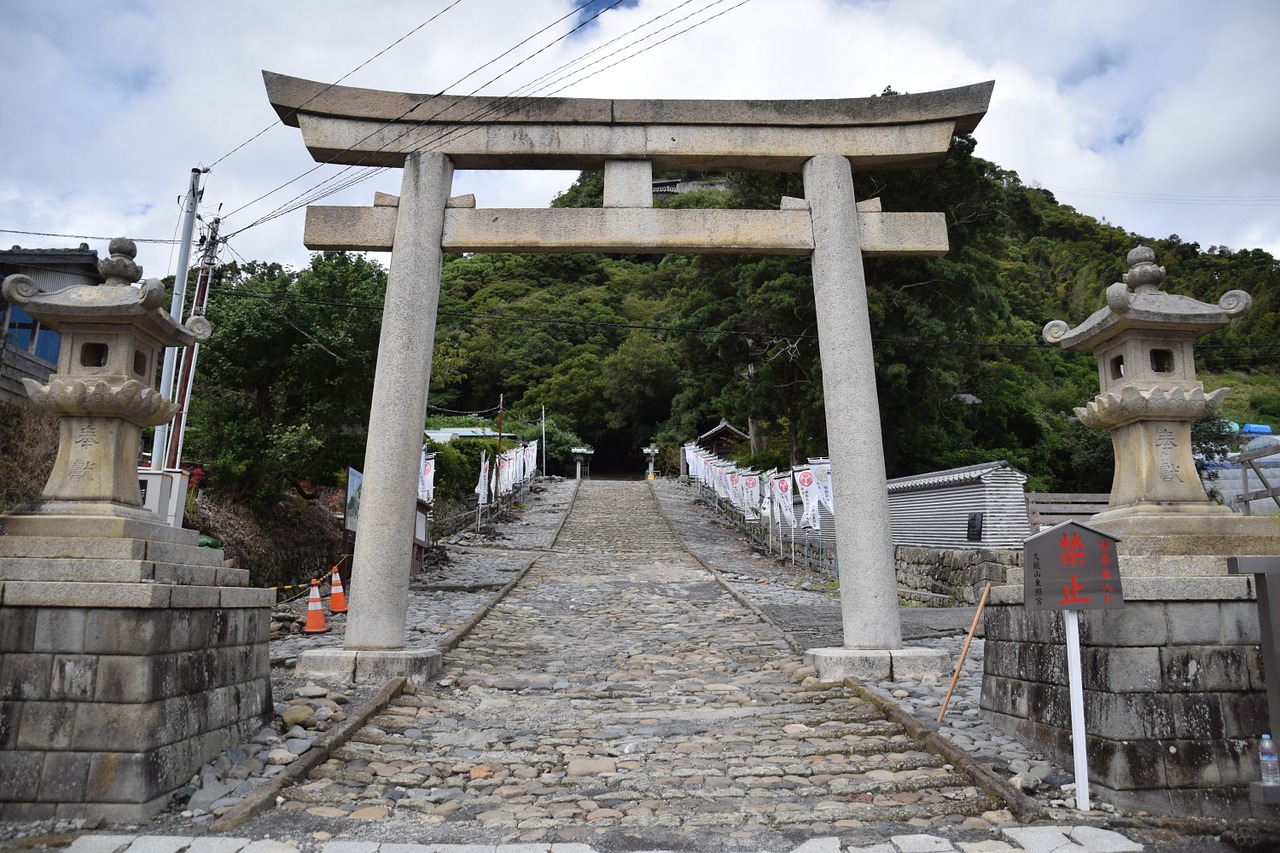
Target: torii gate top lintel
(628, 140)
(349, 125)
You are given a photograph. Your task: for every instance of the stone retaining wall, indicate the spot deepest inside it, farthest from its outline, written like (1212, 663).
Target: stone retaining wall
(1173, 691)
(958, 574)
(105, 711)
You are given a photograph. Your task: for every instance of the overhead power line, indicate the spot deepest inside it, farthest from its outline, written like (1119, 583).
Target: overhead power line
(654, 327)
(304, 198)
(82, 236)
(502, 106)
(336, 82)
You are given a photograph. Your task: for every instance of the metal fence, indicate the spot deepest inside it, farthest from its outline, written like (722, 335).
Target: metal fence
(810, 549)
(451, 518)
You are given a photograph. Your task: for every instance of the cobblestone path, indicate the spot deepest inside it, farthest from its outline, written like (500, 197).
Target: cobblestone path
(619, 696)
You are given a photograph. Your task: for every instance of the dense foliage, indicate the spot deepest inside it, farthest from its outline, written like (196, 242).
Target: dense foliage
(285, 383)
(622, 350)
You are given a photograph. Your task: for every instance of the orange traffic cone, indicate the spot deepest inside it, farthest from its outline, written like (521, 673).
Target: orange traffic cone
(337, 596)
(315, 612)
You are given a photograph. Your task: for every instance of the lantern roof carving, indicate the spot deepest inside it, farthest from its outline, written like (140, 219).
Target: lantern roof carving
(1137, 302)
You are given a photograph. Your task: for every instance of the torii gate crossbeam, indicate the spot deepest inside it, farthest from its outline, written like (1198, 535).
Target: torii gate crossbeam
(429, 136)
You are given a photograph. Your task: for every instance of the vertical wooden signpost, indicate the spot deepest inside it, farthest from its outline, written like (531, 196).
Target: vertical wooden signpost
(1072, 567)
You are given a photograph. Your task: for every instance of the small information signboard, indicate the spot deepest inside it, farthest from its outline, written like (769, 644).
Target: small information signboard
(1071, 566)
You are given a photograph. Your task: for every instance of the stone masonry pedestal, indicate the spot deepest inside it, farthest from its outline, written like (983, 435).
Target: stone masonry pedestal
(1173, 697)
(117, 686)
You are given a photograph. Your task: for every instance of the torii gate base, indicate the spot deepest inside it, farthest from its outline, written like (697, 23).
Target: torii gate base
(431, 135)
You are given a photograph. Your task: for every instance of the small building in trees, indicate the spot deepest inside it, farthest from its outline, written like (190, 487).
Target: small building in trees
(723, 440)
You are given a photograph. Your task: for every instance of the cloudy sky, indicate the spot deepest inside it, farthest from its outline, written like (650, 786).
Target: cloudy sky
(1160, 115)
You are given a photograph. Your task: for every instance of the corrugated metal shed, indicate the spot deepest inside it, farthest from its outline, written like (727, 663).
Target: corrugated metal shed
(444, 436)
(978, 506)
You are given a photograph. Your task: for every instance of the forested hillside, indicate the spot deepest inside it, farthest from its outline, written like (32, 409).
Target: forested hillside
(622, 350)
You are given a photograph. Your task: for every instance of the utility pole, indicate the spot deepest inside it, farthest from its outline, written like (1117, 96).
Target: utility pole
(160, 439)
(544, 441)
(187, 380)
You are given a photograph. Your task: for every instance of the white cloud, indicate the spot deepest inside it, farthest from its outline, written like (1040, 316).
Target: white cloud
(110, 105)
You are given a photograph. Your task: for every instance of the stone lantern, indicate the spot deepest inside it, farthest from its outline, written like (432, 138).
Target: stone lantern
(1149, 394)
(652, 452)
(104, 392)
(133, 655)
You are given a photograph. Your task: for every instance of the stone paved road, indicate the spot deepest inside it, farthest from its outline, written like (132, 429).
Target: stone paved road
(619, 695)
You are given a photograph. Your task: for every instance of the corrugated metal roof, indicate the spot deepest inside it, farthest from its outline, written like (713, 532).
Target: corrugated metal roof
(52, 269)
(444, 436)
(950, 477)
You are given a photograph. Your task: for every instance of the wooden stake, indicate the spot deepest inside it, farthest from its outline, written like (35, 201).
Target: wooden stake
(965, 651)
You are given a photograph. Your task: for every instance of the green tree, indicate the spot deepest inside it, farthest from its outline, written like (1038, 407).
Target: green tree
(284, 385)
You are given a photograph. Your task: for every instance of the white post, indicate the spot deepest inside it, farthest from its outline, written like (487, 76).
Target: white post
(1075, 688)
(868, 584)
(380, 569)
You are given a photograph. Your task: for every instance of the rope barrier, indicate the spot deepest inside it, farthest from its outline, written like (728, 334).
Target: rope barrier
(306, 587)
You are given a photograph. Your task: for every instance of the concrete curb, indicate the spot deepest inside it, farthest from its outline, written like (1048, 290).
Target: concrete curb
(573, 499)
(737, 595)
(451, 641)
(1026, 809)
(265, 797)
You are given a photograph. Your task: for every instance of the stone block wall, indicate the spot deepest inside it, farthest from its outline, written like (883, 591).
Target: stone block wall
(104, 710)
(959, 574)
(128, 658)
(1174, 698)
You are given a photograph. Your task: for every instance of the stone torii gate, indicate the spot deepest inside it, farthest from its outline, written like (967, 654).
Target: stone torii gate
(431, 135)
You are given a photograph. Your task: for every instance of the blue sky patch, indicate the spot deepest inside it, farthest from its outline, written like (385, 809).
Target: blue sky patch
(595, 7)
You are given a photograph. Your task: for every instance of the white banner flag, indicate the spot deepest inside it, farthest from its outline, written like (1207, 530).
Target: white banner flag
(751, 495)
(482, 487)
(783, 499)
(530, 458)
(821, 469)
(427, 477)
(723, 470)
(506, 471)
(808, 496)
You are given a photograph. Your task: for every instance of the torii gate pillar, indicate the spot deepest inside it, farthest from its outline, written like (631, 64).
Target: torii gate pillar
(868, 583)
(374, 646)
